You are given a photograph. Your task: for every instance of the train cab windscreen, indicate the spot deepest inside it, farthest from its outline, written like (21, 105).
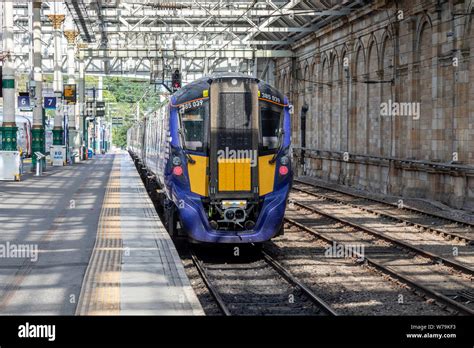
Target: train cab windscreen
(234, 121)
(194, 121)
(270, 119)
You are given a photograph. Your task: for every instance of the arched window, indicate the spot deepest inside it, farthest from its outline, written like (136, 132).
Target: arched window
(386, 122)
(424, 143)
(326, 105)
(373, 97)
(344, 111)
(359, 134)
(335, 93)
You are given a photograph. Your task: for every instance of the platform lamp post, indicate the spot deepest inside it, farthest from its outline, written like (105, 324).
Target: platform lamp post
(82, 102)
(94, 113)
(37, 131)
(71, 34)
(9, 128)
(57, 21)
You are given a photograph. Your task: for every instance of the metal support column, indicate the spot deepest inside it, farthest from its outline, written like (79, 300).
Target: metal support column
(57, 21)
(73, 109)
(9, 128)
(38, 133)
(98, 120)
(93, 122)
(81, 84)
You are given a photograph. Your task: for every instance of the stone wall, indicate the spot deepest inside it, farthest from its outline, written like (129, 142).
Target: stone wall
(413, 58)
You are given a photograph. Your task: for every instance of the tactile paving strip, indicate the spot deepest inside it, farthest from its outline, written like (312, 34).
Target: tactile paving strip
(100, 293)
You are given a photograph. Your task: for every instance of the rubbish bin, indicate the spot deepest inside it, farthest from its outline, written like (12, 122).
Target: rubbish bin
(89, 153)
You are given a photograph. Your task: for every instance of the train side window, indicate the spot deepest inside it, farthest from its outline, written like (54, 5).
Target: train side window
(270, 119)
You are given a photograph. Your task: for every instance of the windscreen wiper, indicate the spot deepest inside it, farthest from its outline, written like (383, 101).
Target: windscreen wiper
(280, 136)
(188, 156)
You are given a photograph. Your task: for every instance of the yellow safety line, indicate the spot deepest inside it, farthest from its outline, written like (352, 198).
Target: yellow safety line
(100, 293)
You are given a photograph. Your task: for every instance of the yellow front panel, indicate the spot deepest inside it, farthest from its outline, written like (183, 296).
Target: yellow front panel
(226, 175)
(198, 178)
(266, 175)
(234, 175)
(243, 175)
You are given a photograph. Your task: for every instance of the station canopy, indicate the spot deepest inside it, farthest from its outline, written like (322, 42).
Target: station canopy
(139, 36)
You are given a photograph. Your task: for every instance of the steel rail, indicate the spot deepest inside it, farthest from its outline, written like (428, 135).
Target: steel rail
(466, 239)
(291, 279)
(431, 256)
(287, 276)
(217, 297)
(460, 308)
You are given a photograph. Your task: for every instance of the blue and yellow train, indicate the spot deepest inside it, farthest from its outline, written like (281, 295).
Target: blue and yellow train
(218, 154)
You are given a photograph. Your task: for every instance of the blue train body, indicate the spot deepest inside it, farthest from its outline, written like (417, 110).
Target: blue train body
(188, 154)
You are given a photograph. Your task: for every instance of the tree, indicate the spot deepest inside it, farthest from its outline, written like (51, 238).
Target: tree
(119, 136)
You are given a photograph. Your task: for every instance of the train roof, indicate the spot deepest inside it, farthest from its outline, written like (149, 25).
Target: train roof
(193, 90)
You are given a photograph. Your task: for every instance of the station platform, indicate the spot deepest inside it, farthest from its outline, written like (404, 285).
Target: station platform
(86, 240)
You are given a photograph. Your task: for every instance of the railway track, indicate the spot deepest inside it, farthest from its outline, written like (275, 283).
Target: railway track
(259, 287)
(451, 252)
(422, 220)
(434, 257)
(399, 260)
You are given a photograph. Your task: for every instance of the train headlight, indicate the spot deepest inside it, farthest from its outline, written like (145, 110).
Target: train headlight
(178, 170)
(239, 214)
(284, 160)
(229, 214)
(176, 161)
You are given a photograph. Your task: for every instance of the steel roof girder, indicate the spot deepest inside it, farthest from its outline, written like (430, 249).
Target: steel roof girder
(214, 29)
(169, 53)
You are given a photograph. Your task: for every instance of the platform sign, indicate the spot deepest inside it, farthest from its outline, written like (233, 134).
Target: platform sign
(58, 155)
(69, 93)
(49, 103)
(10, 165)
(90, 108)
(117, 121)
(24, 102)
(100, 109)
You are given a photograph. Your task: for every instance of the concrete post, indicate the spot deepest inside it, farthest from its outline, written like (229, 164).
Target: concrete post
(57, 20)
(38, 133)
(9, 128)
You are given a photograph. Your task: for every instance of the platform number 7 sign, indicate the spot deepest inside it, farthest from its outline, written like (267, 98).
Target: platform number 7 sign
(50, 102)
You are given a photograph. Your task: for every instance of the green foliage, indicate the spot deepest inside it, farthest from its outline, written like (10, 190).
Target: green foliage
(119, 136)
(130, 91)
(122, 96)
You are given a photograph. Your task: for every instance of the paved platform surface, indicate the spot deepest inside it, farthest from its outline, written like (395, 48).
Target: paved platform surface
(86, 240)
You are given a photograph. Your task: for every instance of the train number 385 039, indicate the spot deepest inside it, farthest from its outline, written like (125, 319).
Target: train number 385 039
(270, 97)
(190, 105)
